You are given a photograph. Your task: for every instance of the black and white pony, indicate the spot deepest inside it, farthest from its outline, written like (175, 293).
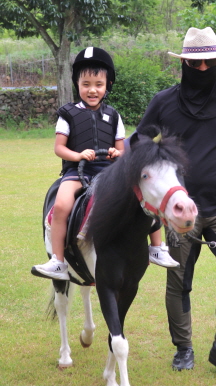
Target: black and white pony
(140, 185)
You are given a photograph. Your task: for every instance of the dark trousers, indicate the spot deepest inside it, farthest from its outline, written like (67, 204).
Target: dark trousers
(179, 282)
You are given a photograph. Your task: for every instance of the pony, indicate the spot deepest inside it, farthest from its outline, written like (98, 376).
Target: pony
(130, 197)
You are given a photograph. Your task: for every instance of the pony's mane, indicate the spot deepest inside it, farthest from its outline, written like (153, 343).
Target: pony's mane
(115, 201)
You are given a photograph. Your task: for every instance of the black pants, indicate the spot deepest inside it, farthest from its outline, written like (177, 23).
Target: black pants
(179, 282)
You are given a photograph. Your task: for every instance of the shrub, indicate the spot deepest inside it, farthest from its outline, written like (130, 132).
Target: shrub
(138, 79)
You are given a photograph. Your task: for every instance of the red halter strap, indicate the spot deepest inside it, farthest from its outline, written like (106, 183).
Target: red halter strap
(168, 195)
(159, 212)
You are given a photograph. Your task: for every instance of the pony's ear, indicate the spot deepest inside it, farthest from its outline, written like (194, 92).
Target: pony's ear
(134, 139)
(151, 131)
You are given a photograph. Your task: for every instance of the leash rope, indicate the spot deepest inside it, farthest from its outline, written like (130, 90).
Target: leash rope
(211, 244)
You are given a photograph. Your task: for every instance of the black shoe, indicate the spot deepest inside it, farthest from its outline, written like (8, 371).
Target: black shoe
(183, 360)
(212, 354)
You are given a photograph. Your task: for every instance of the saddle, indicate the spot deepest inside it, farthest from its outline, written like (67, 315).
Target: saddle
(76, 220)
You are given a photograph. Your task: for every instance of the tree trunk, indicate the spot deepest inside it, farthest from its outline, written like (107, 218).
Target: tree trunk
(64, 73)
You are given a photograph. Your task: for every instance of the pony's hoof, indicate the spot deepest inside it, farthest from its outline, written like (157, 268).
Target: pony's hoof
(63, 366)
(60, 368)
(84, 345)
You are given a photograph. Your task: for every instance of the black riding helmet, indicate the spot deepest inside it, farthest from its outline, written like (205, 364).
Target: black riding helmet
(91, 56)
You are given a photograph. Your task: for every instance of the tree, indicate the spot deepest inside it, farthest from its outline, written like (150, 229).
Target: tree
(151, 16)
(138, 14)
(199, 16)
(199, 4)
(58, 22)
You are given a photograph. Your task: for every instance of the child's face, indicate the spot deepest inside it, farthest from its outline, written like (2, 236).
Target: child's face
(92, 88)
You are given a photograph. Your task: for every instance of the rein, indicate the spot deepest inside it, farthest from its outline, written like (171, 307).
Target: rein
(149, 209)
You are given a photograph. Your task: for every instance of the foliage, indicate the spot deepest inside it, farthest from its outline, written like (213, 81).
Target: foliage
(28, 49)
(143, 68)
(194, 18)
(199, 4)
(58, 23)
(61, 22)
(137, 80)
(149, 16)
(38, 17)
(139, 13)
(68, 26)
(142, 65)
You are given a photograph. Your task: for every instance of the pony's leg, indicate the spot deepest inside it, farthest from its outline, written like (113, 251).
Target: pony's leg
(118, 343)
(109, 372)
(120, 350)
(61, 306)
(114, 313)
(87, 334)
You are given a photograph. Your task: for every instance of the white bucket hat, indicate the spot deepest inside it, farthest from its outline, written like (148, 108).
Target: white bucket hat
(198, 44)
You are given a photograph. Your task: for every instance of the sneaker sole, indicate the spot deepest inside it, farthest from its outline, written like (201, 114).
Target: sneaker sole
(55, 276)
(165, 266)
(182, 368)
(190, 366)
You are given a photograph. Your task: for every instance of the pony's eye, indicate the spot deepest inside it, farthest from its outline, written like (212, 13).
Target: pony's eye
(145, 176)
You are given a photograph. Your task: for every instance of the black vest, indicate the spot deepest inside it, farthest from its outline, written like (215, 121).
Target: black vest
(90, 129)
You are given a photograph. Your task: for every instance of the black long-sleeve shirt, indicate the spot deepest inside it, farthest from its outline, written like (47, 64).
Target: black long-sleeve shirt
(198, 137)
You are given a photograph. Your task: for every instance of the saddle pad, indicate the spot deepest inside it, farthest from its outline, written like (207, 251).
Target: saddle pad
(84, 221)
(84, 226)
(50, 216)
(81, 210)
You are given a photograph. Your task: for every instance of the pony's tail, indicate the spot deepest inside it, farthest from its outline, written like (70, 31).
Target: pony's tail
(50, 310)
(63, 287)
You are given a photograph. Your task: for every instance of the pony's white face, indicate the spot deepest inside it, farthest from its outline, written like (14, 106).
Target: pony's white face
(179, 211)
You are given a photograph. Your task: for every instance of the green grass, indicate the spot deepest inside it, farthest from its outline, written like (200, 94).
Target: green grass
(36, 128)
(32, 48)
(30, 344)
(40, 130)
(23, 49)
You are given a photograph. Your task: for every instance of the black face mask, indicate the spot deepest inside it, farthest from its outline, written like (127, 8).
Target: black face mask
(199, 79)
(197, 92)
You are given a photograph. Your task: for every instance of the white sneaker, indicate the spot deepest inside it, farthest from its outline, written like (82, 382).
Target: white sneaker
(54, 269)
(160, 255)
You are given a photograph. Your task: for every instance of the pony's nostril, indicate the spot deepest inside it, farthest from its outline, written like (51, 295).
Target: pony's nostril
(188, 224)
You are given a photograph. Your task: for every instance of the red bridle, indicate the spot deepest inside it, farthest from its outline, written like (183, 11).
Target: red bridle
(161, 211)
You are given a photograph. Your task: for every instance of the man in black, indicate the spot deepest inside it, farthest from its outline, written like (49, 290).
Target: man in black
(188, 110)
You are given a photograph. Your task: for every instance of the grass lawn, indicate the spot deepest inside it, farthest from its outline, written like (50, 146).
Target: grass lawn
(30, 344)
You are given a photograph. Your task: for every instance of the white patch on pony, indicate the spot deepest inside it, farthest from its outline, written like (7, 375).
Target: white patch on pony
(89, 254)
(87, 334)
(61, 306)
(109, 373)
(48, 244)
(120, 347)
(156, 180)
(120, 350)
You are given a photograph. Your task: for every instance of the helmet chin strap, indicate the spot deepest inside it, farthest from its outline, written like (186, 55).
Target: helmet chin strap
(102, 99)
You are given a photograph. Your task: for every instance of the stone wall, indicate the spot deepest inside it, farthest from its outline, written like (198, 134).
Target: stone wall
(25, 104)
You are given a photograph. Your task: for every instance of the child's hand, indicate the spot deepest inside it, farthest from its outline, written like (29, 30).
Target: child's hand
(113, 153)
(88, 154)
